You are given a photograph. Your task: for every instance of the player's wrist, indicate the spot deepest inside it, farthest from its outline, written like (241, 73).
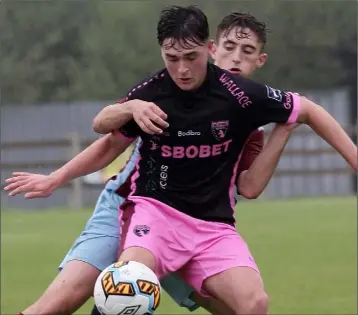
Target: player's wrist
(58, 177)
(129, 108)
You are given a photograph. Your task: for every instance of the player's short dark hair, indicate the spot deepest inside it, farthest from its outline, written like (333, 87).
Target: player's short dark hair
(242, 20)
(184, 24)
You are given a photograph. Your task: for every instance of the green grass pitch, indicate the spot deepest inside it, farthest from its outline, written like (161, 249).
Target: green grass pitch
(306, 250)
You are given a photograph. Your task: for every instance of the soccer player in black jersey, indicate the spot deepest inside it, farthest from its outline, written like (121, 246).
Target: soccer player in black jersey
(244, 55)
(182, 191)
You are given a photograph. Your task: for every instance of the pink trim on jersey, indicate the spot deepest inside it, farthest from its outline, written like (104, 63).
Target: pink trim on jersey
(123, 137)
(233, 184)
(137, 87)
(296, 108)
(135, 176)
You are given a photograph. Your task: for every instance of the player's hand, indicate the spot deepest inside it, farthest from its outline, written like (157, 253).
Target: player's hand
(149, 117)
(33, 185)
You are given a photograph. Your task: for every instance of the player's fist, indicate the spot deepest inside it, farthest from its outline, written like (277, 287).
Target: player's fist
(149, 117)
(33, 185)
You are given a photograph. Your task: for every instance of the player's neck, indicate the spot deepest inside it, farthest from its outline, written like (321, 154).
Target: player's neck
(203, 79)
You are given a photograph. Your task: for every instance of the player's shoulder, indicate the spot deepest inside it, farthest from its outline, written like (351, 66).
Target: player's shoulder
(146, 89)
(237, 88)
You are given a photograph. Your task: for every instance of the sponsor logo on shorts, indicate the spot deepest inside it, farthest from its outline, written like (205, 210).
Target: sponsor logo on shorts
(141, 230)
(219, 129)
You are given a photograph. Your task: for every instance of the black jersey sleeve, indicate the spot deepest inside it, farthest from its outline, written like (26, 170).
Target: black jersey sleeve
(262, 104)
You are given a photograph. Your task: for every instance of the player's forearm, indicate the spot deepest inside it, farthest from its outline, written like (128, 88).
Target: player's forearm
(112, 117)
(97, 156)
(252, 182)
(329, 129)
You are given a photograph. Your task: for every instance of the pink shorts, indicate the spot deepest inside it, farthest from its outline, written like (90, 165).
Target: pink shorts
(195, 248)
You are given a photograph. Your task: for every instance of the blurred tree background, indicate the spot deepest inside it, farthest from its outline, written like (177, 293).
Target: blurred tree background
(87, 50)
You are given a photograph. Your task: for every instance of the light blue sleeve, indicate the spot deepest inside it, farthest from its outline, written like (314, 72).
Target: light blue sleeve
(127, 170)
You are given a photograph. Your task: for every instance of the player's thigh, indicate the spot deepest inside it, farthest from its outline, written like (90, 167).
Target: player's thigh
(240, 288)
(185, 296)
(136, 244)
(97, 245)
(72, 287)
(139, 254)
(234, 278)
(149, 238)
(95, 249)
(105, 218)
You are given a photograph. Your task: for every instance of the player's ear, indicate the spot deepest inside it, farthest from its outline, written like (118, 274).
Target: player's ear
(262, 60)
(212, 49)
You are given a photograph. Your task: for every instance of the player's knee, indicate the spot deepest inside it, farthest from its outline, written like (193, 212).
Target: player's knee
(258, 303)
(251, 303)
(139, 254)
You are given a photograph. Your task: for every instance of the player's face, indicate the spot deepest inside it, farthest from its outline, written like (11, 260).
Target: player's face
(186, 66)
(237, 53)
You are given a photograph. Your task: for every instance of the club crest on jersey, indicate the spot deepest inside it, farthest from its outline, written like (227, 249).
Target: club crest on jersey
(141, 230)
(219, 129)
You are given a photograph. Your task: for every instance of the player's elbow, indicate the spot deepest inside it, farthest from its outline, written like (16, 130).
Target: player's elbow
(96, 126)
(308, 111)
(247, 187)
(99, 126)
(249, 193)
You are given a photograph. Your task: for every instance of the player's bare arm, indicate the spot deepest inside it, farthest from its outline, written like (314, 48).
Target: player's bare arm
(252, 182)
(271, 105)
(112, 115)
(329, 129)
(95, 157)
(149, 117)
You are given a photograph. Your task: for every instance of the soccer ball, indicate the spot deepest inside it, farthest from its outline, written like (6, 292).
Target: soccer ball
(127, 288)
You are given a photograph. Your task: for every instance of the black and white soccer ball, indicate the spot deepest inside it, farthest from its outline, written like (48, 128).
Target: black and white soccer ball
(127, 288)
